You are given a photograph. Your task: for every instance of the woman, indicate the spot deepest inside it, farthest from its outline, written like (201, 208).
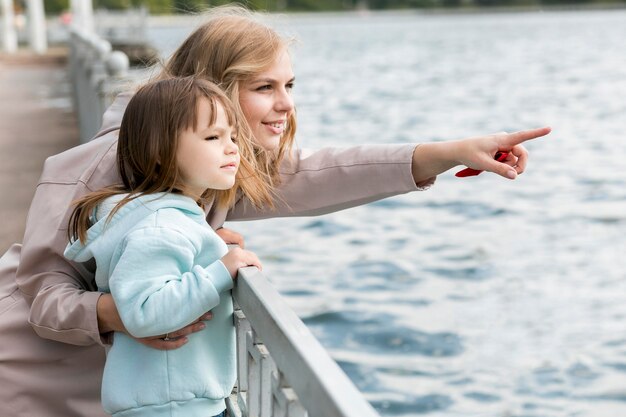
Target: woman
(53, 322)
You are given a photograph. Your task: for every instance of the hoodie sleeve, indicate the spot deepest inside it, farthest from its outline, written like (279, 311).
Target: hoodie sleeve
(156, 286)
(333, 179)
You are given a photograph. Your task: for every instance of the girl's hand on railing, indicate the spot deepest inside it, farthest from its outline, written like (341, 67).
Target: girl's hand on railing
(239, 258)
(230, 237)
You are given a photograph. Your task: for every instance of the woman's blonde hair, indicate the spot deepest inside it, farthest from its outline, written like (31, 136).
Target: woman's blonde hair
(230, 47)
(148, 143)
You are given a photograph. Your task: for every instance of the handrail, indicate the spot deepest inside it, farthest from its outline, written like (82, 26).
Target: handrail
(287, 358)
(98, 74)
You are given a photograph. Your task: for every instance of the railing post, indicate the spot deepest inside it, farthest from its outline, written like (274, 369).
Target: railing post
(286, 403)
(37, 26)
(82, 14)
(97, 78)
(98, 74)
(260, 371)
(242, 328)
(9, 34)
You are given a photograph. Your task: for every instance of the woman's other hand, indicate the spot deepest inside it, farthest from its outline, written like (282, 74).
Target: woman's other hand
(230, 237)
(178, 338)
(109, 321)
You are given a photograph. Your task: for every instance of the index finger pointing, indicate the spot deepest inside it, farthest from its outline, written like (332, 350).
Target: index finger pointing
(523, 135)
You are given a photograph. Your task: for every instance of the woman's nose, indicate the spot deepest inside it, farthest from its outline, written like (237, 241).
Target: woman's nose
(284, 102)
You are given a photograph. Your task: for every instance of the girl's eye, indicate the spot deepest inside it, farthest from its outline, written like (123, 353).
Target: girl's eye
(234, 139)
(289, 86)
(264, 87)
(211, 138)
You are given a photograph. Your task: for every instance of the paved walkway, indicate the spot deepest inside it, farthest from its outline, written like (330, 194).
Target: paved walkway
(36, 121)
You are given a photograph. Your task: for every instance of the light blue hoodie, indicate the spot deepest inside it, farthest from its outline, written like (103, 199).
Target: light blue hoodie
(161, 262)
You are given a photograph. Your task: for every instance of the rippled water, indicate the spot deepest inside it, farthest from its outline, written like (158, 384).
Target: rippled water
(480, 296)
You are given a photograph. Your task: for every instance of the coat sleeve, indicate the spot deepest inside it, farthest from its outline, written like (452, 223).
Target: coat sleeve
(333, 179)
(61, 294)
(156, 285)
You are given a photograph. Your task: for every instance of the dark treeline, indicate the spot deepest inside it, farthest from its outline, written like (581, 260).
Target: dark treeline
(191, 6)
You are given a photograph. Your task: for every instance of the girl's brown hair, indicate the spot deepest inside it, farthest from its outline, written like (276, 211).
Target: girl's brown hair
(232, 46)
(148, 142)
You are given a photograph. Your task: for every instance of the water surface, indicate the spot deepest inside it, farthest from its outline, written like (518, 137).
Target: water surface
(481, 296)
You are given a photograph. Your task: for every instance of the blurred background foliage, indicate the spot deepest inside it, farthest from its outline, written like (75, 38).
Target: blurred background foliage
(193, 6)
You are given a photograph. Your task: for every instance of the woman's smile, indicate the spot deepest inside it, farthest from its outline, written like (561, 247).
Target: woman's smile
(277, 127)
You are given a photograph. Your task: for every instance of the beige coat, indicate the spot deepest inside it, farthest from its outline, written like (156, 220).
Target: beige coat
(51, 353)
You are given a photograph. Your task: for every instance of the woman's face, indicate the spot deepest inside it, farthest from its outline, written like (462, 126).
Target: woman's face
(267, 103)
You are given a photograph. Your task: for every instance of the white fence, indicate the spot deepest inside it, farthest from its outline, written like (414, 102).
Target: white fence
(283, 371)
(97, 74)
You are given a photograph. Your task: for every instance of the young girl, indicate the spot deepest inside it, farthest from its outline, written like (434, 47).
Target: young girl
(156, 254)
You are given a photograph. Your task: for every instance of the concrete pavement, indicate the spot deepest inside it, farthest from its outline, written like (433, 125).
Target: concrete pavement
(36, 121)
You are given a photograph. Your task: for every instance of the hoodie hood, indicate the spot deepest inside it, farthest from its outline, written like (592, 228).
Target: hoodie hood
(104, 236)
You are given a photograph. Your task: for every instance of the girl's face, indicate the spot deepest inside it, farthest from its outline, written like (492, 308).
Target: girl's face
(208, 158)
(267, 103)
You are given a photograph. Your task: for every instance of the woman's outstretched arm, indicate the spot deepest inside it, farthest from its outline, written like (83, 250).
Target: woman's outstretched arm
(333, 179)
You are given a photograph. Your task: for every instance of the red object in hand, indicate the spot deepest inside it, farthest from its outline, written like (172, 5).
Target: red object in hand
(469, 172)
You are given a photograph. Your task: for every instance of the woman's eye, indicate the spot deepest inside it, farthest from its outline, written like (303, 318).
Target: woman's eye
(211, 138)
(234, 139)
(264, 87)
(289, 86)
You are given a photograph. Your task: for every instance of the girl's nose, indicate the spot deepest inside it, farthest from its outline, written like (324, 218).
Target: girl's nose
(232, 148)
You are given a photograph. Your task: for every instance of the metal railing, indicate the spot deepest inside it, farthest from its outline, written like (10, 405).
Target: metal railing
(97, 74)
(283, 371)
